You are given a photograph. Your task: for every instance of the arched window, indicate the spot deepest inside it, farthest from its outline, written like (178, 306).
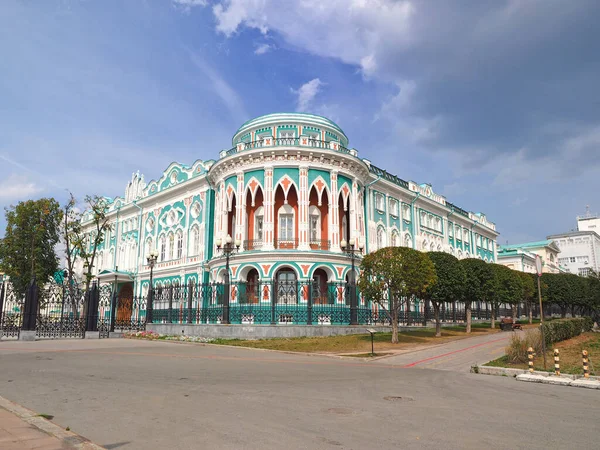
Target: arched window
(195, 247)
(424, 247)
(258, 223)
(407, 240)
(344, 228)
(466, 236)
(179, 245)
(171, 246)
(395, 241)
(163, 248)
(380, 237)
(286, 223)
(315, 223)
(148, 247)
(432, 247)
(438, 224)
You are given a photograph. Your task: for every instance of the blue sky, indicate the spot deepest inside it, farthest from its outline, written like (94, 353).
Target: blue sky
(495, 103)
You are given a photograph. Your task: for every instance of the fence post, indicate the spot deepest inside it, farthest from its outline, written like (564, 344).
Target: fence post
(309, 300)
(273, 301)
(586, 367)
(530, 358)
(2, 290)
(150, 305)
(189, 305)
(30, 311)
(93, 301)
(556, 362)
(113, 310)
(170, 313)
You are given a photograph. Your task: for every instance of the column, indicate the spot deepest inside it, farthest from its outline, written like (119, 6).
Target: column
(269, 206)
(240, 210)
(303, 225)
(334, 213)
(353, 205)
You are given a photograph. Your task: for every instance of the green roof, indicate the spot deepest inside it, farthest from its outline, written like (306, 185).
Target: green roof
(536, 244)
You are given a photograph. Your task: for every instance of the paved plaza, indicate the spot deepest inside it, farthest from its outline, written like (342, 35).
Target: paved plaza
(129, 394)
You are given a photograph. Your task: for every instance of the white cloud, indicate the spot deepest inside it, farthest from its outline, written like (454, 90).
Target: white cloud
(354, 31)
(307, 93)
(17, 187)
(228, 95)
(187, 5)
(262, 49)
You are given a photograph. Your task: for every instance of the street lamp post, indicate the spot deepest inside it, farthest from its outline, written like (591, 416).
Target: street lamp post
(351, 251)
(538, 267)
(228, 248)
(151, 259)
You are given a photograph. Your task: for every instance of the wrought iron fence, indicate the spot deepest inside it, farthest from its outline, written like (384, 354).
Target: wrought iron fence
(11, 311)
(61, 311)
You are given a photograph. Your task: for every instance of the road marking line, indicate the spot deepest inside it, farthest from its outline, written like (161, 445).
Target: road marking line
(452, 353)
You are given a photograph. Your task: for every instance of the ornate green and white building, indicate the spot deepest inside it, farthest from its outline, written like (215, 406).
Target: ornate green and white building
(291, 190)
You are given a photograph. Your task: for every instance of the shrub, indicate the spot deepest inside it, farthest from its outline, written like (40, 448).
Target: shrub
(516, 352)
(560, 330)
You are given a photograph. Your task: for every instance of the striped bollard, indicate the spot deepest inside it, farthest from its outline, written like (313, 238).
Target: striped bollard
(556, 363)
(530, 357)
(586, 367)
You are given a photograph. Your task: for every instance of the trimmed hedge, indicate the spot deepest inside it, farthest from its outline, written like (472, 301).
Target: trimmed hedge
(563, 329)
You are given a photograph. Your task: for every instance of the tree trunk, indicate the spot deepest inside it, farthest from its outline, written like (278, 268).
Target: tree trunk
(395, 326)
(563, 311)
(468, 313)
(530, 308)
(493, 316)
(436, 315)
(514, 312)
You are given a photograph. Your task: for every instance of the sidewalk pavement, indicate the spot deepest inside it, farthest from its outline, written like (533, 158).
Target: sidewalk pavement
(21, 428)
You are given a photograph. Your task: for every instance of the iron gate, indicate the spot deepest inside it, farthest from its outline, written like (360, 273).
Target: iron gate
(61, 312)
(11, 311)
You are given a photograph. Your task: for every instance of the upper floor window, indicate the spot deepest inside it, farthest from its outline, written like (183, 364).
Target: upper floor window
(457, 232)
(315, 223)
(466, 236)
(393, 207)
(171, 246)
(286, 223)
(406, 212)
(438, 224)
(380, 237)
(258, 223)
(195, 248)
(179, 245)
(379, 202)
(163, 248)
(395, 239)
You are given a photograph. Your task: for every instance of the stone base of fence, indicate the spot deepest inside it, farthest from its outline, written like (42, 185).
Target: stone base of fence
(257, 331)
(92, 335)
(27, 335)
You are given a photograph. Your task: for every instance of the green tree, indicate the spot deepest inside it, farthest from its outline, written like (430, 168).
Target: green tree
(393, 275)
(528, 291)
(28, 246)
(555, 291)
(509, 289)
(449, 286)
(479, 286)
(84, 245)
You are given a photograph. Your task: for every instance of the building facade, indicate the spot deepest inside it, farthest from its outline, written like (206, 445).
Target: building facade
(580, 250)
(521, 257)
(290, 190)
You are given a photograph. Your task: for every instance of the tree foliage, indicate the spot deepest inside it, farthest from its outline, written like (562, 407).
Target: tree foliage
(28, 246)
(84, 245)
(449, 285)
(480, 286)
(393, 275)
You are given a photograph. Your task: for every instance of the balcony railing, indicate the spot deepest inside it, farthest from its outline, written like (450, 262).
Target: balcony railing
(320, 244)
(302, 141)
(253, 244)
(286, 244)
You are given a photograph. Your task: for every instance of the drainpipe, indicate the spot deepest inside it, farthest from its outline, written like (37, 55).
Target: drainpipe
(366, 218)
(116, 238)
(140, 242)
(473, 243)
(412, 212)
(448, 226)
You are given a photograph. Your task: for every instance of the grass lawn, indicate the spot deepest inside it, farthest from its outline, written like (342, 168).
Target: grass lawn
(360, 343)
(570, 356)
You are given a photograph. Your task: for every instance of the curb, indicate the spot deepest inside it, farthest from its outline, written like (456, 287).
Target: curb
(510, 372)
(68, 438)
(562, 381)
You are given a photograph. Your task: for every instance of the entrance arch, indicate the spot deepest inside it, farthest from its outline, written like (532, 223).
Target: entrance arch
(286, 289)
(125, 305)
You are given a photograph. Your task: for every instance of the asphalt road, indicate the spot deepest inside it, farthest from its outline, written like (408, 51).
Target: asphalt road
(154, 395)
(458, 356)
